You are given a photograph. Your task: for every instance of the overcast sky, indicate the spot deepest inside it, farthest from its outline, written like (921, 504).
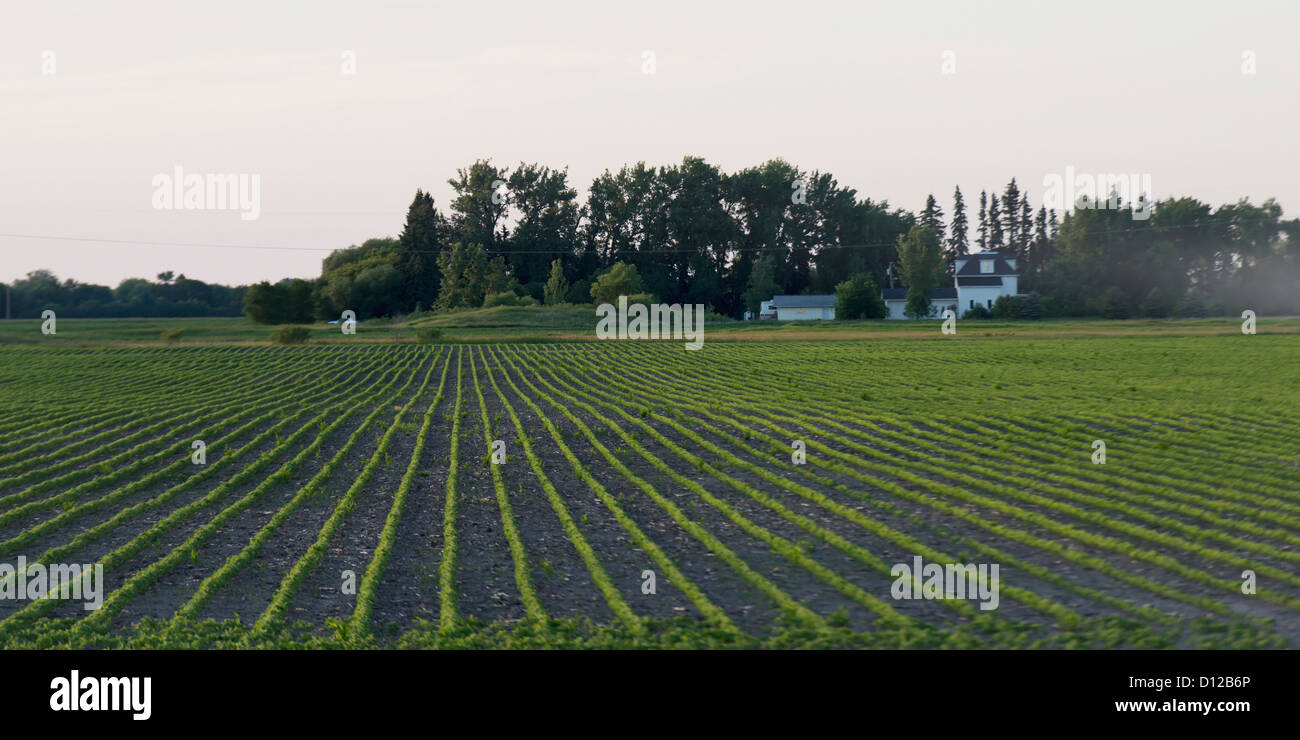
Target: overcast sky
(97, 98)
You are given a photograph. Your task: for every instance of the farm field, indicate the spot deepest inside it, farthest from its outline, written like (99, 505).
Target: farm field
(575, 324)
(350, 497)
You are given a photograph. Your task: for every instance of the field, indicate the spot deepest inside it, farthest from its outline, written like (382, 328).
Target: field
(351, 497)
(575, 324)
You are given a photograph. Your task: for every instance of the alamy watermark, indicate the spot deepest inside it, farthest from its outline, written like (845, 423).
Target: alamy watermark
(652, 321)
(76, 693)
(178, 191)
(1101, 192)
(75, 582)
(921, 580)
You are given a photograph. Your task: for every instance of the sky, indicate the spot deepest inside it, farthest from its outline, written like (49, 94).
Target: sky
(342, 109)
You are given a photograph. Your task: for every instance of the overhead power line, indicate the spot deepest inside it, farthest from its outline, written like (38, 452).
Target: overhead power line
(272, 247)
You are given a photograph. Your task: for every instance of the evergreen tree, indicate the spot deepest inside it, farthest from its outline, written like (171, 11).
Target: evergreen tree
(1011, 217)
(1038, 255)
(557, 288)
(418, 249)
(984, 221)
(932, 216)
(995, 225)
(465, 276)
(957, 243)
(1026, 226)
(495, 278)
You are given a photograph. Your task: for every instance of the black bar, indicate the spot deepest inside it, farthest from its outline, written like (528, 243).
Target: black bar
(968, 689)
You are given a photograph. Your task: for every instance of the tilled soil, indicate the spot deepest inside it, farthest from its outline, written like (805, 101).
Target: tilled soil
(750, 512)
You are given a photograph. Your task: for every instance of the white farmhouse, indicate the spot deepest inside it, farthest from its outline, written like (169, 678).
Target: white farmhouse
(803, 307)
(978, 280)
(982, 278)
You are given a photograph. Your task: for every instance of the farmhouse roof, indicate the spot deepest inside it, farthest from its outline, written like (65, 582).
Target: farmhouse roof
(979, 280)
(972, 266)
(803, 301)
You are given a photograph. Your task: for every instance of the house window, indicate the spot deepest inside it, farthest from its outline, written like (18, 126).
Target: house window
(986, 266)
(972, 303)
(990, 303)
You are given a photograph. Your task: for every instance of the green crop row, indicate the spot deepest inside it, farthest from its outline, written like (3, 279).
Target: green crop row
(598, 574)
(784, 601)
(527, 592)
(693, 592)
(238, 561)
(448, 619)
(369, 588)
(294, 578)
(121, 554)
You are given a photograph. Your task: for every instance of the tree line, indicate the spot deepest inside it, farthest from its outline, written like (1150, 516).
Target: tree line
(168, 295)
(1176, 257)
(692, 233)
(687, 233)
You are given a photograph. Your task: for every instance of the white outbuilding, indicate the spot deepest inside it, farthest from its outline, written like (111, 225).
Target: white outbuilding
(940, 298)
(803, 307)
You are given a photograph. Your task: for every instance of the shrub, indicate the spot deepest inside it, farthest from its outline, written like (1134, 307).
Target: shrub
(282, 303)
(1006, 307)
(621, 279)
(172, 336)
(1054, 307)
(1114, 304)
(504, 298)
(529, 301)
(1025, 307)
(428, 335)
(1032, 307)
(644, 299)
(859, 298)
(1218, 307)
(580, 292)
(921, 262)
(290, 335)
(1155, 305)
(979, 312)
(918, 305)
